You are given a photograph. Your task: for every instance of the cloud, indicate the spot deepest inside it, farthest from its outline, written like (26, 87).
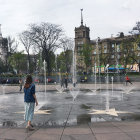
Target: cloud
(104, 17)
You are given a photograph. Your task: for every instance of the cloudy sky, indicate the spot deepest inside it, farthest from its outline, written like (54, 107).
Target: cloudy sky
(104, 17)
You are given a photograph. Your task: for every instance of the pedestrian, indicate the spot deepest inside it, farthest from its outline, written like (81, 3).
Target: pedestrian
(127, 79)
(20, 84)
(29, 100)
(66, 82)
(62, 82)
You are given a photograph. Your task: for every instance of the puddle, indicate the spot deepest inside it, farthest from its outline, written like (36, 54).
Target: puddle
(68, 97)
(83, 106)
(46, 108)
(83, 119)
(133, 117)
(9, 124)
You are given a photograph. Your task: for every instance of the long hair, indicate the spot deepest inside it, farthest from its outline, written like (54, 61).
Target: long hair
(28, 81)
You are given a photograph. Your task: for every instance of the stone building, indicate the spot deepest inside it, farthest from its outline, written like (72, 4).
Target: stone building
(118, 52)
(81, 37)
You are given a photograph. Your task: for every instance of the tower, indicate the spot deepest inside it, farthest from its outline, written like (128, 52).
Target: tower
(81, 37)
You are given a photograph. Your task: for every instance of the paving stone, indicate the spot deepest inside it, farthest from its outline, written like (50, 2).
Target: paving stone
(17, 134)
(51, 131)
(135, 135)
(113, 136)
(72, 130)
(129, 126)
(43, 136)
(3, 130)
(79, 137)
(104, 128)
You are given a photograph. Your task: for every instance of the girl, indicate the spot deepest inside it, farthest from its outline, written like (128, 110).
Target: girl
(29, 100)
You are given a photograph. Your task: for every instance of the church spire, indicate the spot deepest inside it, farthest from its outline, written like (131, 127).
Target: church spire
(0, 31)
(81, 17)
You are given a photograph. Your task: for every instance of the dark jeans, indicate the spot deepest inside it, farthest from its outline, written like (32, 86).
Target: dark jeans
(20, 87)
(128, 81)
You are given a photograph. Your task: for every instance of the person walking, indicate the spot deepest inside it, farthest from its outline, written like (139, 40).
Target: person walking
(62, 82)
(29, 100)
(20, 84)
(66, 82)
(127, 79)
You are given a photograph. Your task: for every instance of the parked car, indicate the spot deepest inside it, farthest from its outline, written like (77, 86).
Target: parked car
(50, 80)
(83, 79)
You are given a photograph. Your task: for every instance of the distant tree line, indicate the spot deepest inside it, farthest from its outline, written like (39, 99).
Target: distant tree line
(41, 42)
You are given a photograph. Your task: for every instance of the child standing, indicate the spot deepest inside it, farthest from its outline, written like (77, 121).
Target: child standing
(29, 100)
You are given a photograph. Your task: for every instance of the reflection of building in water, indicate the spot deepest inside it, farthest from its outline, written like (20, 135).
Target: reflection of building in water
(3, 47)
(121, 51)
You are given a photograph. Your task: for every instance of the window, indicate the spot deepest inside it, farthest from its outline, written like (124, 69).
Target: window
(138, 54)
(118, 48)
(105, 49)
(112, 56)
(87, 34)
(78, 53)
(80, 42)
(118, 56)
(94, 52)
(79, 48)
(113, 45)
(84, 34)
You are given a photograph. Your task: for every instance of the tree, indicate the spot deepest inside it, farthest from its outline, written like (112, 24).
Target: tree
(136, 29)
(136, 34)
(18, 61)
(86, 52)
(27, 42)
(67, 46)
(136, 54)
(64, 61)
(12, 45)
(47, 37)
(127, 50)
(3, 67)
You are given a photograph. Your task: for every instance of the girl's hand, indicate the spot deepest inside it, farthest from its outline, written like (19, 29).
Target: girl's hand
(36, 103)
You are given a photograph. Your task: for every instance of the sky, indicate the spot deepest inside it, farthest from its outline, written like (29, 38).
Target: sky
(104, 17)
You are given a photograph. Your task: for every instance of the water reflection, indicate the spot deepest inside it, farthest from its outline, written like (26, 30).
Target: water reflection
(9, 124)
(84, 119)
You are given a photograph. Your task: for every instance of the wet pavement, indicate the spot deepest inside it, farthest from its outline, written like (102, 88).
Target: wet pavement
(74, 119)
(56, 108)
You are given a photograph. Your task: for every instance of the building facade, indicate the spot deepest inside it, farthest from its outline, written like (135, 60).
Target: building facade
(117, 52)
(82, 36)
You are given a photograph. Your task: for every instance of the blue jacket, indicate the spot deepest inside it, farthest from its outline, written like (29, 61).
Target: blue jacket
(28, 94)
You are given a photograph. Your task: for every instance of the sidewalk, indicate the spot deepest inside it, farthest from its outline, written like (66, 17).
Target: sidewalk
(94, 131)
(83, 86)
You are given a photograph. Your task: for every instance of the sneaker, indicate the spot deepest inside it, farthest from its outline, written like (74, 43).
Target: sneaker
(32, 125)
(29, 128)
